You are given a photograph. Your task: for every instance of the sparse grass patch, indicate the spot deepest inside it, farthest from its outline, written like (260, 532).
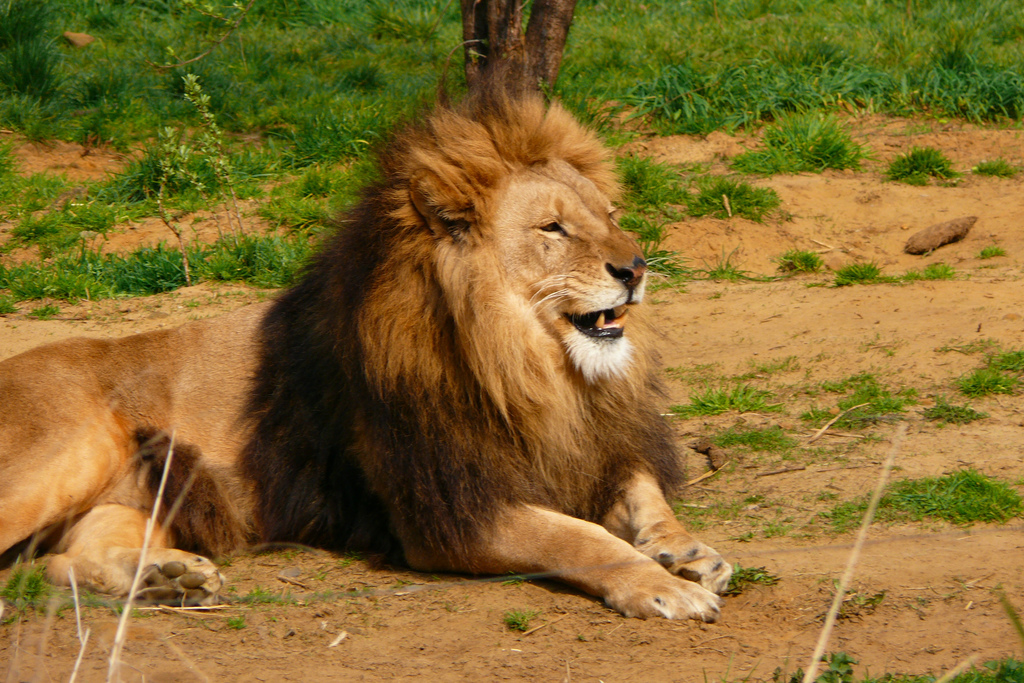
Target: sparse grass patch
(7, 305)
(742, 398)
(859, 274)
(882, 403)
(919, 164)
(998, 168)
(933, 271)
(237, 622)
(991, 251)
(802, 142)
(261, 596)
(947, 413)
(747, 577)
(1007, 361)
(26, 588)
(46, 312)
(797, 261)
(985, 381)
(724, 269)
(771, 439)
(725, 197)
(519, 619)
(960, 498)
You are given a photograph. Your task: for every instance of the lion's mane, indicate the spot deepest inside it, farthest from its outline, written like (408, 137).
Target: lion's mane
(400, 395)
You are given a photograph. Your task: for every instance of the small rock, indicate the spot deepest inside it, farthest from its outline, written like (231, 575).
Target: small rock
(78, 39)
(939, 235)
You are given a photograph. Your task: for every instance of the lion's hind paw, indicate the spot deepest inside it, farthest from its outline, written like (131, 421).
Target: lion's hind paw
(187, 582)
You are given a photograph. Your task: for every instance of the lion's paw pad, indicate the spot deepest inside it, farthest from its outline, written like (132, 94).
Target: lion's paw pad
(187, 583)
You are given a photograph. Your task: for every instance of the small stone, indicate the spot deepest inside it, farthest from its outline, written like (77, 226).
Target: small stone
(940, 234)
(77, 39)
(1011, 316)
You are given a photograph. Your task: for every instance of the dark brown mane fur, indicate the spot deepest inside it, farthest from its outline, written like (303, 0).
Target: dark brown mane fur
(391, 405)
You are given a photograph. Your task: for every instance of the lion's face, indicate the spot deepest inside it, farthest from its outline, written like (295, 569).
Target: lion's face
(566, 258)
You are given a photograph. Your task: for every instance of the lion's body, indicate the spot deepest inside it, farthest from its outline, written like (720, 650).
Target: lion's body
(451, 382)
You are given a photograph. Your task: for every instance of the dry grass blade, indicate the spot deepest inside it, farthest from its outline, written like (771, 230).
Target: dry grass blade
(957, 670)
(544, 625)
(113, 672)
(817, 434)
(851, 563)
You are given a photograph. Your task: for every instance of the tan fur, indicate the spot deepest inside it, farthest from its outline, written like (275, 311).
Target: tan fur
(498, 224)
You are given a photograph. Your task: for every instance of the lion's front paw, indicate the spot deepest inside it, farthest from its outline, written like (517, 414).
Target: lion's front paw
(179, 578)
(683, 555)
(667, 596)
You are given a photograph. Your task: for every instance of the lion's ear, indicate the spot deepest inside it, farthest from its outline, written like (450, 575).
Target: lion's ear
(445, 210)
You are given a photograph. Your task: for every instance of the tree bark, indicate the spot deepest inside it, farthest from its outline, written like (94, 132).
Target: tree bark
(493, 35)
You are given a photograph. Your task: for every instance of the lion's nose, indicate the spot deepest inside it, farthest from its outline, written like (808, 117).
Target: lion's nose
(629, 275)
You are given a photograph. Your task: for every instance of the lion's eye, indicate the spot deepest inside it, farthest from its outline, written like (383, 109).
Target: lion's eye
(554, 227)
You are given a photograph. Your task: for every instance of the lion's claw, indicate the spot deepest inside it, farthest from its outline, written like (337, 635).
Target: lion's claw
(691, 559)
(190, 582)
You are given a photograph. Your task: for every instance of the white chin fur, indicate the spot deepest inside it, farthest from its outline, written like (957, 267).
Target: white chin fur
(599, 359)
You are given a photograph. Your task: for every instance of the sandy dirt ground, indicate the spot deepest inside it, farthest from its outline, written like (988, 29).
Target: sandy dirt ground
(923, 597)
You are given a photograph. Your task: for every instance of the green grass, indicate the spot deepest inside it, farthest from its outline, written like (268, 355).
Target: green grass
(7, 305)
(882, 403)
(798, 261)
(802, 142)
(771, 439)
(647, 184)
(269, 261)
(859, 274)
(991, 251)
(945, 412)
(997, 168)
(519, 619)
(920, 164)
(933, 271)
(963, 497)
(742, 398)
(47, 312)
(26, 588)
(748, 577)
(725, 197)
(1007, 361)
(236, 623)
(986, 381)
(724, 270)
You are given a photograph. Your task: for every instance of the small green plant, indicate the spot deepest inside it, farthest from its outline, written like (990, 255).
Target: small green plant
(802, 142)
(742, 398)
(946, 413)
(985, 381)
(999, 168)
(724, 269)
(858, 274)
(746, 577)
(866, 402)
(724, 197)
(7, 305)
(961, 498)
(919, 164)
(933, 271)
(797, 261)
(838, 669)
(1007, 361)
(26, 587)
(46, 312)
(237, 623)
(991, 251)
(519, 619)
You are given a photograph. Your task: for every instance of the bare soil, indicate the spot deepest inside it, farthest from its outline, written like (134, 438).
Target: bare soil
(923, 597)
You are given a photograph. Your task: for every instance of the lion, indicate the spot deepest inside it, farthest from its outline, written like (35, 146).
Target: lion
(462, 380)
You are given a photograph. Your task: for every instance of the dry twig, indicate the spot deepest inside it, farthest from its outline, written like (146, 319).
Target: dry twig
(817, 434)
(869, 515)
(548, 623)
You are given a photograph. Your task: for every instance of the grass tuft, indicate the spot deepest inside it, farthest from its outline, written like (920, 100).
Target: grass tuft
(26, 588)
(519, 619)
(986, 381)
(991, 251)
(963, 497)
(747, 577)
(858, 274)
(998, 168)
(797, 261)
(724, 197)
(716, 400)
(919, 164)
(946, 413)
(772, 439)
(803, 142)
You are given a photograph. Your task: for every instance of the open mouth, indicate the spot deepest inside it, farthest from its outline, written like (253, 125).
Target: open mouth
(606, 324)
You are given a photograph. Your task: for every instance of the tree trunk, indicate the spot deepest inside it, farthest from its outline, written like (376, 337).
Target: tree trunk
(493, 31)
